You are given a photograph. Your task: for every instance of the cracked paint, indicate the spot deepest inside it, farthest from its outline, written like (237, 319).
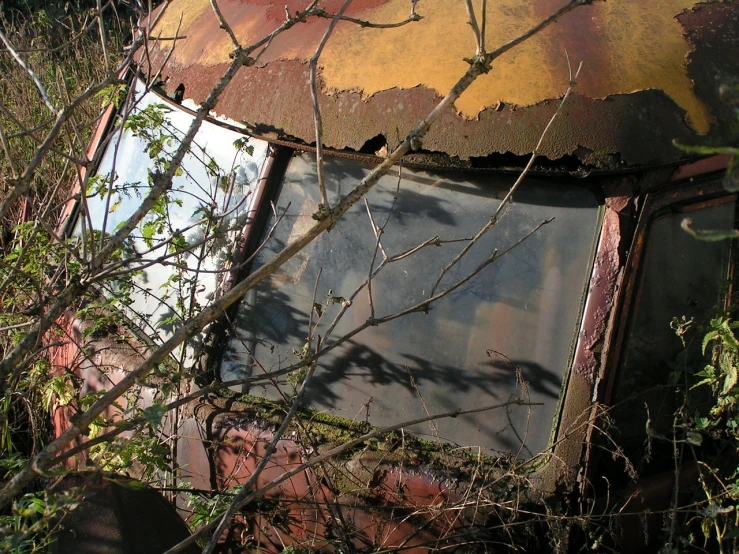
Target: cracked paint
(626, 46)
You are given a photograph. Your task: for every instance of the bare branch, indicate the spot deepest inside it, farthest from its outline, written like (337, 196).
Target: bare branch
(85, 28)
(370, 25)
(209, 314)
(32, 134)
(23, 183)
(169, 53)
(223, 24)
(27, 68)
(161, 183)
(269, 450)
(424, 305)
(316, 108)
(504, 203)
(472, 21)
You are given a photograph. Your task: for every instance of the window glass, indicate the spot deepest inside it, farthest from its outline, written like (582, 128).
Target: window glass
(521, 311)
(213, 191)
(680, 276)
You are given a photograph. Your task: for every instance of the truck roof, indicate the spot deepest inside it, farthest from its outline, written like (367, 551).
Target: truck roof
(651, 75)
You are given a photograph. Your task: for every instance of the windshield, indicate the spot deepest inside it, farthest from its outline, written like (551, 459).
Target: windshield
(507, 333)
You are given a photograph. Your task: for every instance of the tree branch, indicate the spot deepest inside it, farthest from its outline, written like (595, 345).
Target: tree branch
(27, 68)
(223, 25)
(508, 197)
(317, 109)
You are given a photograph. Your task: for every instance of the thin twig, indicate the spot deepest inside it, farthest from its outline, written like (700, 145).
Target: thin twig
(378, 246)
(472, 21)
(169, 54)
(483, 17)
(101, 27)
(268, 451)
(31, 133)
(424, 305)
(312, 308)
(223, 24)
(31, 73)
(317, 108)
(85, 28)
(6, 149)
(370, 25)
(23, 182)
(494, 219)
(247, 495)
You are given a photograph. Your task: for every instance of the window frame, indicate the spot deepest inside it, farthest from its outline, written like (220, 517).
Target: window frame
(706, 190)
(268, 190)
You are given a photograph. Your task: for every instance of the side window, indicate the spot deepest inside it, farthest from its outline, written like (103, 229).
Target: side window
(520, 312)
(215, 184)
(679, 276)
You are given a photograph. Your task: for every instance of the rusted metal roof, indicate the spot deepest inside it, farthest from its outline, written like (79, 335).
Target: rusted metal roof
(651, 74)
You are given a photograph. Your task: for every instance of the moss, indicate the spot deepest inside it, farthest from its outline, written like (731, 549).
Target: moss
(359, 466)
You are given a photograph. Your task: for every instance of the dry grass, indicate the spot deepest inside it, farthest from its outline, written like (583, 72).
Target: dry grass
(61, 43)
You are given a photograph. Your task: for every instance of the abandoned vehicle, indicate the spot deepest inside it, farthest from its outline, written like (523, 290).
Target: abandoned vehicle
(566, 321)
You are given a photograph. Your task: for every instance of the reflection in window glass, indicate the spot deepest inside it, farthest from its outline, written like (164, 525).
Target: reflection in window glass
(524, 306)
(680, 276)
(214, 189)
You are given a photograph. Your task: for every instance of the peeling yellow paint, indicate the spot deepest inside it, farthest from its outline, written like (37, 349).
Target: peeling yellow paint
(188, 10)
(643, 49)
(650, 52)
(626, 46)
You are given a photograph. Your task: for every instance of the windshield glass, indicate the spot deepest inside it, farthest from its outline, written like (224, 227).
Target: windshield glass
(199, 217)
(507, 333)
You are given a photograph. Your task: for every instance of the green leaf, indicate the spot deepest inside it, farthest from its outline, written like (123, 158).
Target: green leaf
(708, 235)
(131, 484)
(694, 438)
(148, 230)
(154, 415)
(730, 378)
(707, 150)
(706, 524)
(708, 338)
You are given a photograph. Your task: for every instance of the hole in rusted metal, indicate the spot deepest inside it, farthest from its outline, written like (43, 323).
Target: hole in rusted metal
(375, 146)
(179, 93)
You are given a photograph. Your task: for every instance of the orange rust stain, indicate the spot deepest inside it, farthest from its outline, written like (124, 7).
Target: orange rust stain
(625, 45)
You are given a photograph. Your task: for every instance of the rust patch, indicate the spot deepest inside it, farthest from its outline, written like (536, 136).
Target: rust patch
(633, 99)
(601, 293)
(614, 40)
(308, 506)
(702, 167)
(99, 363)
(276, 9)
(591, 129)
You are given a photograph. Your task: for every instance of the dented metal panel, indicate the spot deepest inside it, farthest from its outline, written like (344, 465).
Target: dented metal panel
(649, 75)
